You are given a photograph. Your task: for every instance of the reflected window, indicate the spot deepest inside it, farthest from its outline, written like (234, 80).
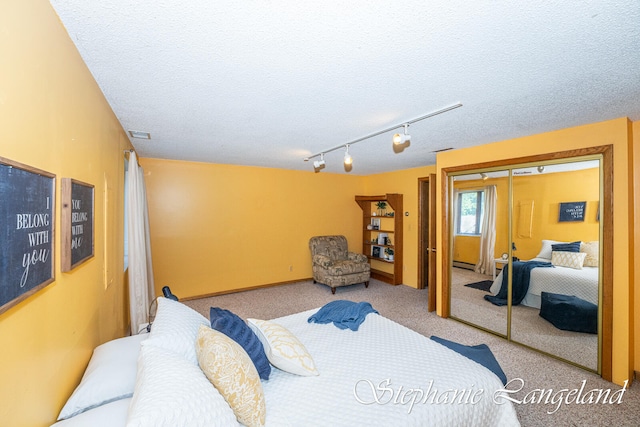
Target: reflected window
(469, 212)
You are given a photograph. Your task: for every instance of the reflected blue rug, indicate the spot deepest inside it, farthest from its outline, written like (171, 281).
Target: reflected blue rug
(484, 285)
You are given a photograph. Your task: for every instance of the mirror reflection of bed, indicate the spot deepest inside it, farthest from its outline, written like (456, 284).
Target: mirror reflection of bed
(567, 326)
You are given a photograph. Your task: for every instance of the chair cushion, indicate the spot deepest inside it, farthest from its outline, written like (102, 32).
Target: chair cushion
(341, 268)
(569, 313)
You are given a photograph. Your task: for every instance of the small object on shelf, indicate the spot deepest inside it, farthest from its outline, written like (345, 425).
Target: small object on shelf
(382, 207)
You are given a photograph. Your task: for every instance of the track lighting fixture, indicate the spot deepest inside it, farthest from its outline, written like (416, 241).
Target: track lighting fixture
(347, 157)
(484, 176)
(540, 169)
(319, 164)
(399, 139)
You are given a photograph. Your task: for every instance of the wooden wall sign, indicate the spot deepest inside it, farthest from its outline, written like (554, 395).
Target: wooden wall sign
(27, 208)
(572, 211)
(77, 223)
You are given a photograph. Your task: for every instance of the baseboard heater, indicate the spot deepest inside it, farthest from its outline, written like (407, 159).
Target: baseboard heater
(465, 265)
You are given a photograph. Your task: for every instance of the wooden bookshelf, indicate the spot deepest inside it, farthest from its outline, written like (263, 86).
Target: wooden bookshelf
(388, 223)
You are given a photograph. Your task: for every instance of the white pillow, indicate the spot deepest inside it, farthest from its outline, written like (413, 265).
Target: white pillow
(110, 375)
(108, 415)
(284, 350)
(172, 392)
(175, 328)
(568, 259)
(545, 250)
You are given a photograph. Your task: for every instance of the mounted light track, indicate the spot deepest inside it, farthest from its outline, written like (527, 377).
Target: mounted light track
(403, 138)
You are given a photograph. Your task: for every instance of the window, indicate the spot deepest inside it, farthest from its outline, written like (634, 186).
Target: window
(469, 212)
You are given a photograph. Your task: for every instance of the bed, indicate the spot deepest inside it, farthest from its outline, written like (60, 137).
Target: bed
(377, 375)
(580, 280)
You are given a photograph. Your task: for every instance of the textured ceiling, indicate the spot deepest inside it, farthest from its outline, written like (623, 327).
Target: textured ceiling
(267, 83)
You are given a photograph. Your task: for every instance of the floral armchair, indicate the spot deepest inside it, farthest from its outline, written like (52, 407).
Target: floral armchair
(333, 265)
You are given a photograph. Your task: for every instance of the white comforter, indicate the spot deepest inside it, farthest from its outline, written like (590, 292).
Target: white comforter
(388, 356)
(558, 280)
(381, 359)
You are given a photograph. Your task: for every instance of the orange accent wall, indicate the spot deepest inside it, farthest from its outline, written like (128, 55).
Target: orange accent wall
(218, 228)
(614, 132)
(54, 117)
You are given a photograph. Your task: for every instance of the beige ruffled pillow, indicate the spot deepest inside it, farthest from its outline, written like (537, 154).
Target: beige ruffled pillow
(230, 369)
(592, 249)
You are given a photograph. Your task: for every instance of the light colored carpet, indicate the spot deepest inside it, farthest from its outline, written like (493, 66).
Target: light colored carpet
(408, 307)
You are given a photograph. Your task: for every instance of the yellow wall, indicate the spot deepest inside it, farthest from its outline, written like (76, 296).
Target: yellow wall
(404, 182)
(54, 117)
(546, 191)
(217, 227)
(615, 132)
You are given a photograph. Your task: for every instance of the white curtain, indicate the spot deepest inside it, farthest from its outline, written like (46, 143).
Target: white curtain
(141, 289)
(485, 263)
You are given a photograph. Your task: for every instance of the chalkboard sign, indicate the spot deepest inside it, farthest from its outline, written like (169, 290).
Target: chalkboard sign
(77, 223)
(27, 207)
(572, 211)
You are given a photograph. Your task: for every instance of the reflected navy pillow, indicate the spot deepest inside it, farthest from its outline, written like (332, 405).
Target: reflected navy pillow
(478, 353)
(566, 247)
(235, 328)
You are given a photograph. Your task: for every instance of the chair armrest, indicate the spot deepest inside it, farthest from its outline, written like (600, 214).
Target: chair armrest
(322, 260)
(352, 256)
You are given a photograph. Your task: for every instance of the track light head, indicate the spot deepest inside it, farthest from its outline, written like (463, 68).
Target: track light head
(540, 169)
(319, 164)
(484, 176)
(348, 160)
(402, 138)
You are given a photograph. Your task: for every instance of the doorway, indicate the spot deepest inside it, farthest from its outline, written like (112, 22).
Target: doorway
(427, 238)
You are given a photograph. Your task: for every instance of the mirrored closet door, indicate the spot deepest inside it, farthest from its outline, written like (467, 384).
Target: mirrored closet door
(525, 254)
(480, 207)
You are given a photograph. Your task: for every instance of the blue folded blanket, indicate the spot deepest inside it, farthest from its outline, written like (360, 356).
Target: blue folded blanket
(344, 314)
(519, 282)
(480, 353)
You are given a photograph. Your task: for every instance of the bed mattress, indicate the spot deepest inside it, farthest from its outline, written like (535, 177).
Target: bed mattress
(383, 374)
(381, 361)
(558, 280)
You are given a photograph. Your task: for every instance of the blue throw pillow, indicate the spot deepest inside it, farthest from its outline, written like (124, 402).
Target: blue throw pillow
(235, 328)
(566, 247)
(478, 353)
